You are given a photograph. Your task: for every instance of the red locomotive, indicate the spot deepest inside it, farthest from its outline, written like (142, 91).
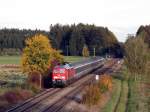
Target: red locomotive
(66, 74)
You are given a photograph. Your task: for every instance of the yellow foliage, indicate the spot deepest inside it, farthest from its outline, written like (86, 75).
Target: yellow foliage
(92, 95)
(105, 82)
(85, 51)
(38, 54)
(57, 56)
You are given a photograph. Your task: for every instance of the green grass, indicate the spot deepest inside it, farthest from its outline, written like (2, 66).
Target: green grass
(138, 101)
(133, 97)
(17, 59)
(123, 98)
(110, 106)
(74, 58)
(10, 59)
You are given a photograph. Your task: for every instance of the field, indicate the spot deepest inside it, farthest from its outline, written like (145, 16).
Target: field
(10, 59)
(17, 59)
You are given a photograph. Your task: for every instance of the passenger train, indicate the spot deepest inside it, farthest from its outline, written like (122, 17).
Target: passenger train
(64, 75)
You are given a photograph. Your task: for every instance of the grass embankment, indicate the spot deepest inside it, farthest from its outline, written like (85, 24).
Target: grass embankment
(17, 59)
(110, 106)
(139, 97)
(129, 95)
(119, 95)
(121, 107)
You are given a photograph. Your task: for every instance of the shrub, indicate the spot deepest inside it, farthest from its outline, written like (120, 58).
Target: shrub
(92, 95)
(16, 95)
(105, 83)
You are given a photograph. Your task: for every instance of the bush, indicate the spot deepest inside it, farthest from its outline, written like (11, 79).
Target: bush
(16, 95)
(92, 95)
(105, 83)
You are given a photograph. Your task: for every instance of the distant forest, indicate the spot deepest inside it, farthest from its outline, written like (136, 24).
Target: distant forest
(70, 39)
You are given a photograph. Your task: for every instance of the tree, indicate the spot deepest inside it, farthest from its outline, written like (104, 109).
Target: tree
(37, 55)
(85, 51)
(70, 39)
(136, 56)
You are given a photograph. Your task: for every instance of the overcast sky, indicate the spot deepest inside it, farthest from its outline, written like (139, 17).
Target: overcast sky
(120, 16)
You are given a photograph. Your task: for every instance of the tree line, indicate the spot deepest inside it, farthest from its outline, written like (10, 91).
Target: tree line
(70, 39)
(137, 54)
(144, 32)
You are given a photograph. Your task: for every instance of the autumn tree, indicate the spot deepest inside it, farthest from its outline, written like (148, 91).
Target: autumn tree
(85, 51)
(136, 56)
(38, 55)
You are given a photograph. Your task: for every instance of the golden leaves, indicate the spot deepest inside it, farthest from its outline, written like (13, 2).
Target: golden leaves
(38, 54)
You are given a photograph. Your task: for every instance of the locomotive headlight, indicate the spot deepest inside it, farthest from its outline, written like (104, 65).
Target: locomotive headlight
(63, 77)
(55, 77)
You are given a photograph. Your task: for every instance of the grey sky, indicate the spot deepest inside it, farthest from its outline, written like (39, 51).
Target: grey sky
(120, 16)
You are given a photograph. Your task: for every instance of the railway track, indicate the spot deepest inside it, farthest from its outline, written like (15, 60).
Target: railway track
(30, 103)
(59, 105)
(34, 100)
(50, 100)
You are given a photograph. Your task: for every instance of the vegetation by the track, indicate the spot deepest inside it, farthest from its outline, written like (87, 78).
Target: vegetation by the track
(128, 95)
(139, 97)
(17, 59)
(110, 106)
(121, 107)
(119, 95)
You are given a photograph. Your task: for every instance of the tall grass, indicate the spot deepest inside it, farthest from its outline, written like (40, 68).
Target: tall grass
(110, 106)
(92, 95)
(137, 99)
(94, 91)
(121, 107)
(133, 97)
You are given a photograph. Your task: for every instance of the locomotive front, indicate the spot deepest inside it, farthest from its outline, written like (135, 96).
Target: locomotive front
(59, 75)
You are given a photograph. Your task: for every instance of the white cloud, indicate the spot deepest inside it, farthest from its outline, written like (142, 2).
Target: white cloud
(121, 16)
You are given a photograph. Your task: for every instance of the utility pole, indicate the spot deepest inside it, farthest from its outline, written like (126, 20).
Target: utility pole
(94, 51)
(67, 50)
